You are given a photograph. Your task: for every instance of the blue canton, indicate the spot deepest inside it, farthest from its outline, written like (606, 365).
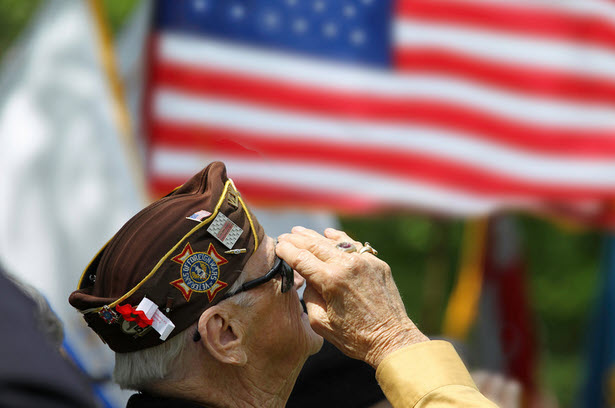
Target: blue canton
(348, 30)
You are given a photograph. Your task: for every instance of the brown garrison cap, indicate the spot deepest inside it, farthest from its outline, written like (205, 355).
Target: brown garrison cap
(168, 263)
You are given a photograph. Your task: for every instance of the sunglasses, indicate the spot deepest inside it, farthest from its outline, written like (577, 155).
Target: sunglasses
(280, 267)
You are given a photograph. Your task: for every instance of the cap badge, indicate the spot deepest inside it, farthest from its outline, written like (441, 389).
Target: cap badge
(200, 272)
(232, 199)
(225, 230)
(199, 216)
(108, 315)
(236, 251)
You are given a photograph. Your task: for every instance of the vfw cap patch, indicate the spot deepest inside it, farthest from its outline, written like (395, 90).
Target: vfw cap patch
(200, 272)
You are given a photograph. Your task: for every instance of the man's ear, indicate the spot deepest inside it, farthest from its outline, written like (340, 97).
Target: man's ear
(222, 336)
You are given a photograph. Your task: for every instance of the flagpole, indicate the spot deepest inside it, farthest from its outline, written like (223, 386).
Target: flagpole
(463, 303)
(121, 112)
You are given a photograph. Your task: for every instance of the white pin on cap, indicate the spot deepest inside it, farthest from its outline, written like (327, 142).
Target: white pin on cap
(148, 307)
(225, 230)
(162, 324)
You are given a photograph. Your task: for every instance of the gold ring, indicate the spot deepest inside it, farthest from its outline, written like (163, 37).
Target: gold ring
(368, 248)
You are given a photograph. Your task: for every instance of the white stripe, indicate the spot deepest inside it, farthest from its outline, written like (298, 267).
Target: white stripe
(330, 179)
(456, 147)
(603, 9)
(514, 49)
(329, 76)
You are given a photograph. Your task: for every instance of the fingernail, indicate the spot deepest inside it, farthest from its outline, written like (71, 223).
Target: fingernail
(283, 236)
(298, 228)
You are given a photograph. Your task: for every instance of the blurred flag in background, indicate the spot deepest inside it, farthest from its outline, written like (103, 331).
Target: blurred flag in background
(599, 380)
(456, 107)
(69, 172)
(505, 338)
(489, 308)
(65, 175)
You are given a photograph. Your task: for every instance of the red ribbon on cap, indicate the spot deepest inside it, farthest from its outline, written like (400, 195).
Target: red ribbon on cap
(130, 314)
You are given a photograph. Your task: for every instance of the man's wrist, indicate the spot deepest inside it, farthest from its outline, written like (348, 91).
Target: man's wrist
(395, 339)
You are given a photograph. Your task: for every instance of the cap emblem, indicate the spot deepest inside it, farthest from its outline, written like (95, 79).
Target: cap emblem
(199, 216)
(225, 230)
(108, 315)
(200, 272)
(232, 199)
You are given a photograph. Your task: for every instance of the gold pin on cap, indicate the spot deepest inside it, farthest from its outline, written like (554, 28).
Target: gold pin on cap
(236, 251)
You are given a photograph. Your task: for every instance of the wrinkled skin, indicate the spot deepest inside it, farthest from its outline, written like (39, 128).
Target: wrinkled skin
(351, 298)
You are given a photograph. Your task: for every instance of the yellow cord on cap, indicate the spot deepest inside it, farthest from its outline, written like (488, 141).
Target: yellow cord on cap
(243, 205)
(170, 252)
(228, 183)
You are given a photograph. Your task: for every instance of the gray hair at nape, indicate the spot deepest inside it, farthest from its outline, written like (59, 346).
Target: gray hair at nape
(138, 370)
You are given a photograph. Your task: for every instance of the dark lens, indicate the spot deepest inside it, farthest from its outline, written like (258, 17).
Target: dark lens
(288, 277)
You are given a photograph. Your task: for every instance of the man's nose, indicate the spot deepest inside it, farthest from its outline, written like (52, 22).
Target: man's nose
(299, 280)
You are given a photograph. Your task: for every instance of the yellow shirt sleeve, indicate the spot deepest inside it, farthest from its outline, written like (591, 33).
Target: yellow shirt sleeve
(428, 375)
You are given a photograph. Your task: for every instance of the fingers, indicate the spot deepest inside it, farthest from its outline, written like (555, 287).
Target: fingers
(316, 309)
(493, 386)
(330, 233)
(338, 236)
(323, 248)
(480, 378)
(503, 391)
(341, 236)
(511, 395)
(302, 261)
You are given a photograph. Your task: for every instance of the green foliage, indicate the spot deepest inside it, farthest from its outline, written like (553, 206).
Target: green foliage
(118, 11)
(14, 14)
(563, 267)
(422, 253)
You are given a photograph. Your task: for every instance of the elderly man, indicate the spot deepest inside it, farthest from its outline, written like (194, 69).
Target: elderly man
(201, 311)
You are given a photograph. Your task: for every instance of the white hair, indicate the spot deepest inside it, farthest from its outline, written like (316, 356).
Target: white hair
(138, 369)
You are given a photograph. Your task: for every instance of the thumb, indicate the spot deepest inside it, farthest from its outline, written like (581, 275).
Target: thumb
(316, 309)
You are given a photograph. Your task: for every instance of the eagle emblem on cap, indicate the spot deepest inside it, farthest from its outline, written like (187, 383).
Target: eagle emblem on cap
(199, 271)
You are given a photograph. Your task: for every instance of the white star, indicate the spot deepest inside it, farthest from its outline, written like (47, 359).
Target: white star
(357, 37)
(349, 11)
(238, 12)
(300, 25)
(319, 6)
(200, 5)
(329, 30)
(271, 19)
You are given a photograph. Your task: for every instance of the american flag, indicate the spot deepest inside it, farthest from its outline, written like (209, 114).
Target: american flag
(460, 107)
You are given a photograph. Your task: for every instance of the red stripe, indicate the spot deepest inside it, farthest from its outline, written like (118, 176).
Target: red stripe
(267, 194)
(222, 234)
(152, 55)
(527, 80)
(341, 105)
(390, 162)
(517, 19)
(279, 196)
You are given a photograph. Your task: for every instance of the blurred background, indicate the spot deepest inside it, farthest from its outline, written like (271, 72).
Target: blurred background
(471, 142)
